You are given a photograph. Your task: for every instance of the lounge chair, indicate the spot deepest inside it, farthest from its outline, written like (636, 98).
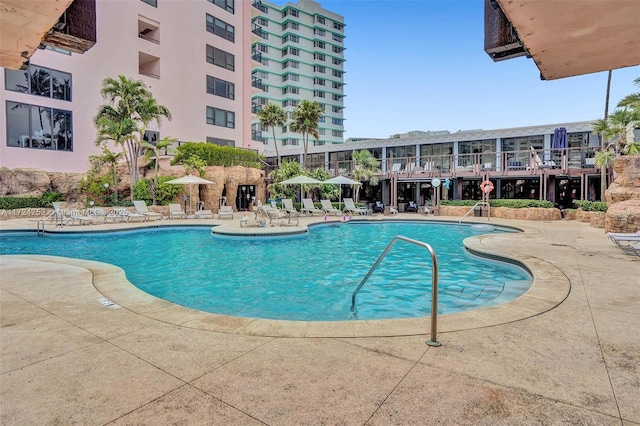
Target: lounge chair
(100, 213)
(141, 208)
(288, 207)
(350, 207)
(378, 207)
(629, 243)
(175, 211)
(74, 217)
(329, 209)
(309, 207)
(128, 216)
(225, 211)
(427, 210)
(539, 164)
(204, 214)
(412, 207)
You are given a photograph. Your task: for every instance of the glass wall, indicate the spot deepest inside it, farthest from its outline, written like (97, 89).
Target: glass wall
(440, 157)
(39, 81)
(518, 150)
(33, 126)
(486, 148)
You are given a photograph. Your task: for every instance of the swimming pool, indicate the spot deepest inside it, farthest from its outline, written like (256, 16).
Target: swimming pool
(306, 277)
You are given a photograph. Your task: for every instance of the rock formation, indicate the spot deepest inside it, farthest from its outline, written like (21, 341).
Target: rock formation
(623, 196)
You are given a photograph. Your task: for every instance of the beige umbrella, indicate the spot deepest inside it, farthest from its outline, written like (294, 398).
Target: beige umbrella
(341, 180)
(190, 180)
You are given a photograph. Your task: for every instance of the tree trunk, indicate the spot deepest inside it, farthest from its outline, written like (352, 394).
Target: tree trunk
(115, 183)
(603, 169)
(275, 143)
(155, 180)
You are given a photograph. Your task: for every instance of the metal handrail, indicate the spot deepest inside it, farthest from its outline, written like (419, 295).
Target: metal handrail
(483, 203)
(434, 283)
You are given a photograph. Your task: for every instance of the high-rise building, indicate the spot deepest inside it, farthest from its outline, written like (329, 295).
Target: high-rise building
(195, 56)
(298, 53)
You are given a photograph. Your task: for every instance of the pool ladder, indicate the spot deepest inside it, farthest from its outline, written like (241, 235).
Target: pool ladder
(479, 203)
(434, 283)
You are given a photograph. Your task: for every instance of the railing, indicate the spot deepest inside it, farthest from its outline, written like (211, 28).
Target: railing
(506, 163)
(256, 56)
(257, 30)
(258, 5)
(151, 39)
(434, 283)
(479, 203)
(257, 83)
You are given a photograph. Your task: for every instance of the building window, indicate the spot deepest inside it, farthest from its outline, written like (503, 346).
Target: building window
(337, 61)
(292, 38)
(291, 51)
(219, 141)
(337, 73)
(218, 87)
(262, 22)
(337, 121)
(292, 25)
(151, 136)
(220, 28)
(319, 32)
(336, 133)
(289, 89)
(220, 58)
(292, 77)
(322, 132)
(336, 109)
(153, 3)
(319, 81)
(320, 19)
(290, 141)
(338, 26)
(319, 57)
(292, 12)
(39, 81)
(318, 43)
(319, 68)
(319, 94)
(336, 85)
(337, 97)
(262, 48)
(290, 102)
(322, 119)
(34, 126)
(337, 49)
(337, 37)
(225, 4)
(260, 101)
(221, 117)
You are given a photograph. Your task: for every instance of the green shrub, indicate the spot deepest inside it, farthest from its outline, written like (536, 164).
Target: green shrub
(11, 203)
(165, 193)
(591, 206)
(513, 204)
(217, 155)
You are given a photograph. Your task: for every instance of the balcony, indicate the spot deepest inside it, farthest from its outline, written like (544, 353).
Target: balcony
(256, 56)
(257, 83)
(258, 5)
(148, 30)
(255, 108)
(256, 135)
(257, 30)
(149, 65)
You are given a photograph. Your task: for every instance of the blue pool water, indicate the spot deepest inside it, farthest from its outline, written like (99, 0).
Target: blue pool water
(306, 277)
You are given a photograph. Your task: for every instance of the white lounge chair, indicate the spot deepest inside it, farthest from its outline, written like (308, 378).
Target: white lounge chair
(225, 211)
(329, 209)
(100, 213)
(629, 243)
(309, 207)
(75, 217)
(128, 216)
(175, 211)
(141, 208)
(350, 207)
(203, 214)
(288, 207)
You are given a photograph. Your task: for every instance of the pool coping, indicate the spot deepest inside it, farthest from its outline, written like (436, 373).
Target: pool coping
(550, 288)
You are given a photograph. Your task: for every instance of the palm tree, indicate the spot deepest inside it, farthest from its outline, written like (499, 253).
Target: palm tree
(632, 100)
(130, 103)
(617, 130)
(306, 117)
(273, 115)
(155, 151)
(111, 159)
(366, 167)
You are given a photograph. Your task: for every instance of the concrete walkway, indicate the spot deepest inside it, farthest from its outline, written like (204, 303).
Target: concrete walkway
(568, 354)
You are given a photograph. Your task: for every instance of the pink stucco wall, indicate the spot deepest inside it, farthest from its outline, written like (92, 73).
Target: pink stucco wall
(181, 86)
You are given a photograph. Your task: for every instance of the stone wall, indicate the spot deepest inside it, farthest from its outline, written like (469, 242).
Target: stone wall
(532, 213)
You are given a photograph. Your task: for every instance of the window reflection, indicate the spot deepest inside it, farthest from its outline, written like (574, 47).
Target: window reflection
(39, 81)
(34, 126)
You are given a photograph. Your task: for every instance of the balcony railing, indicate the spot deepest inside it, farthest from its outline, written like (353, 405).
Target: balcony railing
(257, 30)
(256, 135)
(566, 161)
(256, 56)
(148, 38)
(255, 108)
(258, 5)
(257, 83)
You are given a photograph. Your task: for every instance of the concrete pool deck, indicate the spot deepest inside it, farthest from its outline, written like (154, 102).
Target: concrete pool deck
(568, 352)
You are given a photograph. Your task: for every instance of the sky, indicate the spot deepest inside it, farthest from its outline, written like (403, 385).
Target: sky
(421, 65)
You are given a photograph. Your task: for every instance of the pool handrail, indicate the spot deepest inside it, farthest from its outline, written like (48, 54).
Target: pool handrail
(434, 283)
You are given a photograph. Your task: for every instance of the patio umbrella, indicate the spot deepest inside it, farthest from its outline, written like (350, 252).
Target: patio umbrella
(341, 180)
(190, 180)
(300, 180)
(559, 138)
